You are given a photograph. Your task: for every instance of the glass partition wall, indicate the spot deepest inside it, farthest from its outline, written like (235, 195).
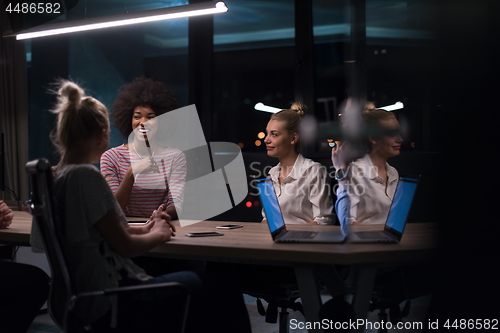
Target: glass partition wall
(318, 52)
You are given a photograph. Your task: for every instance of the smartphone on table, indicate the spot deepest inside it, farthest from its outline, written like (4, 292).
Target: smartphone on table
(137, 221)
(230, 226)
(204, 234)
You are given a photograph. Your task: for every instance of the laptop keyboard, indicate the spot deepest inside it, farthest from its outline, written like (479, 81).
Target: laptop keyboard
(371, 234)
(299, 235)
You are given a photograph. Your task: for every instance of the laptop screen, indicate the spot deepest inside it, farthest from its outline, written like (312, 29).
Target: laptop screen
(270, 204)
(401, 204)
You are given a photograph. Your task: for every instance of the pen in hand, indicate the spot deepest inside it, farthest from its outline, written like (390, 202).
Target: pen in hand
(148, 146)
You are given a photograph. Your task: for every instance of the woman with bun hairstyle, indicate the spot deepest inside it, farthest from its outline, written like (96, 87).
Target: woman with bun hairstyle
(99, 242)
(143, 179)
(300, 183)
(371, 180)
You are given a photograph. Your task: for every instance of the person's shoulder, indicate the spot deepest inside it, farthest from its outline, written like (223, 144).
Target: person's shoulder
(172, 152)
(115, 156)
(311, 165)
(364, 160)
(78, 173)
(361, 164)
(174, 155)
(120, 150)
(80, 169)
(274, 169)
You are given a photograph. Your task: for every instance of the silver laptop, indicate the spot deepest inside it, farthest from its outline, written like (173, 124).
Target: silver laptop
(277, 224)
(397, 218)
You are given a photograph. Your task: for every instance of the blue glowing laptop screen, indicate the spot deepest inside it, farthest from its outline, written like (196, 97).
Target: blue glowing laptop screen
(270, 204)
(401, 204)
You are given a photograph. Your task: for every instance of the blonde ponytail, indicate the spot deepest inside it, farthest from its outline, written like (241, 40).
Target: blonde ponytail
(300, 108)
(70, 96)
(78, 117)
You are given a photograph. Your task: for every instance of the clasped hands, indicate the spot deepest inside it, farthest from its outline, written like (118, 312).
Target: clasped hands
(160, 219)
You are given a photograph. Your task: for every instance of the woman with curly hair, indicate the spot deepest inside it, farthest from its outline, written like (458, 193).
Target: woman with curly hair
(142, 174)
(100, 242)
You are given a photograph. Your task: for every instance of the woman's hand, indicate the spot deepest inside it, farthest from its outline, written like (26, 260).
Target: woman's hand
(161, 208)
(124, 190)
(162, 223)
(143, 166)
(338, 156)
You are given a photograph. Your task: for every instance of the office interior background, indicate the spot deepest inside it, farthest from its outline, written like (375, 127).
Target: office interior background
(273, 52)
(437, 57)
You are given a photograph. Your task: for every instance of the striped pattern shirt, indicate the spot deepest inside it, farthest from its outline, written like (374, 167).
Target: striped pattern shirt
(150, 189)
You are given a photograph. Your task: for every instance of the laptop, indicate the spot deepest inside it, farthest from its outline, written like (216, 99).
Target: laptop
(397, 217)
(276, 223)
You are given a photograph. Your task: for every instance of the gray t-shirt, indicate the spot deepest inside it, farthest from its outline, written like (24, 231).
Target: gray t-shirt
(83, 198)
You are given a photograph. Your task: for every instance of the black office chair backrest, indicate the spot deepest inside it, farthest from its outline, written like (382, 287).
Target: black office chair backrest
(43, 208)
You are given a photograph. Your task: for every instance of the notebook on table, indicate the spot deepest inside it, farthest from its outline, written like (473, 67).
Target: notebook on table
(397, 217)
(277, 225)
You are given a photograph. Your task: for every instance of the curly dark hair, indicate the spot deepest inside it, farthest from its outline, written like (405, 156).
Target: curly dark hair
(141, 92)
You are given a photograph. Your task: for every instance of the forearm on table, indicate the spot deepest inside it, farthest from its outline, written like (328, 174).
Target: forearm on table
(137, 230)
(144, 243)
(120, 239)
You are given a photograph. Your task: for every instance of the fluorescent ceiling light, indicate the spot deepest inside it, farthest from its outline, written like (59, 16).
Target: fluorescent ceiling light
(261, 107)
(395, 106)
(153, 15)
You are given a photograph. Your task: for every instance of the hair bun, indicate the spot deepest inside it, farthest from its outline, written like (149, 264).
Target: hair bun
(72, 92)
(368, 106)
(300, 108)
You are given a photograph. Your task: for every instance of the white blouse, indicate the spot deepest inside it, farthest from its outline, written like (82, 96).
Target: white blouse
(370, 198)
(303, 195)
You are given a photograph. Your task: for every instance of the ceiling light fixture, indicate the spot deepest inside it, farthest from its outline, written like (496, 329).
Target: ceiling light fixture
(395, 106)
(153, 15)
(261, 107)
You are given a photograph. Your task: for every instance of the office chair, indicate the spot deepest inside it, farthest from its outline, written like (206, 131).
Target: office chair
(395, 287)
(278, 295)
(62, 297)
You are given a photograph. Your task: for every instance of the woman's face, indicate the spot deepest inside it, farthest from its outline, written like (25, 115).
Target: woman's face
(278, 141)
(388, 145)
(143, 115)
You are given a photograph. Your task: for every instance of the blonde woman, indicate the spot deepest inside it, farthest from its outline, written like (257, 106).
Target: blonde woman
(372, 181)
(99, 242)
(300, 183)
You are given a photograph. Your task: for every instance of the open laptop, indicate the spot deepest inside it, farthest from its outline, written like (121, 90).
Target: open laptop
(277, 224)
(397, 218)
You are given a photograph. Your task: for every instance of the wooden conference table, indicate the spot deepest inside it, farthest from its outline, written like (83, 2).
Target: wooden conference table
(253, 244)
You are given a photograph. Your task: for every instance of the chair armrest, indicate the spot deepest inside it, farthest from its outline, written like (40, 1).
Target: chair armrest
(131, 289)
(134, 289)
